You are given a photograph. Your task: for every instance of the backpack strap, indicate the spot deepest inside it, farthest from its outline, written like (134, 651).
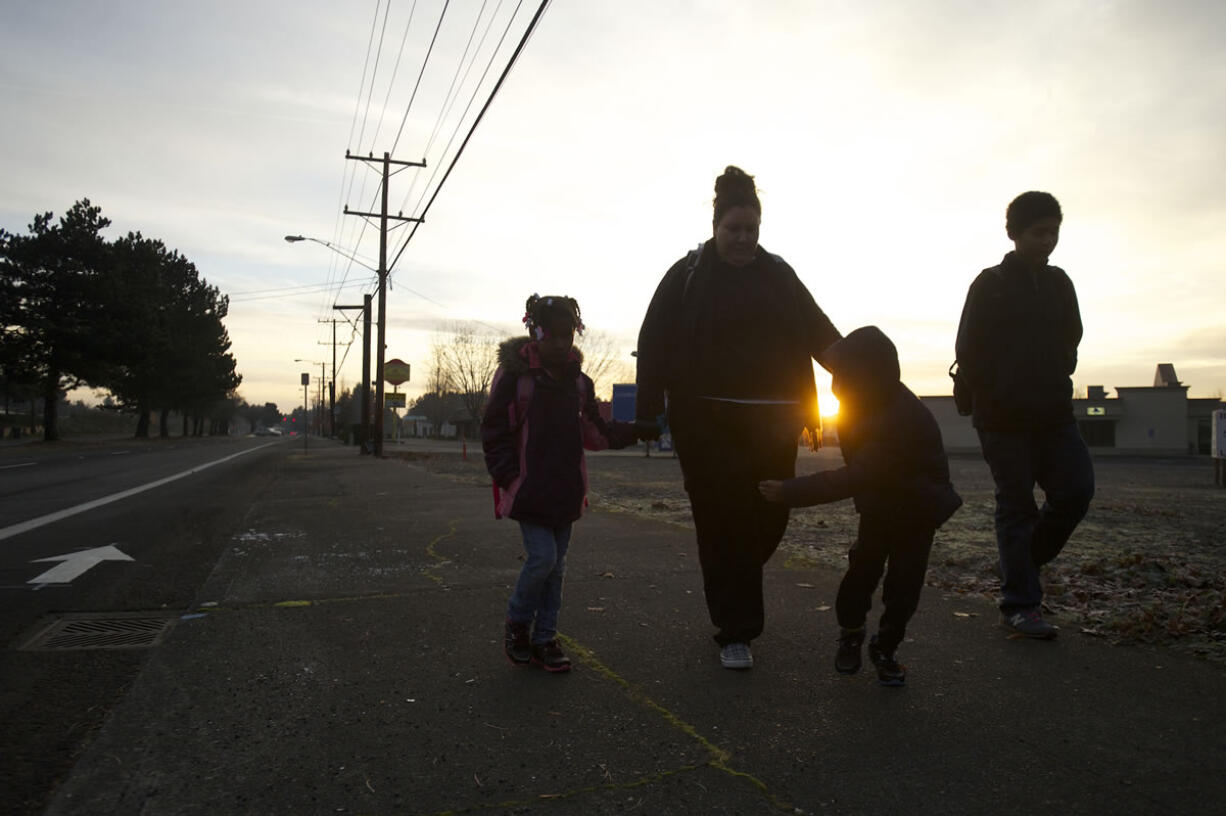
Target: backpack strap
(525, 387)
(691, 265)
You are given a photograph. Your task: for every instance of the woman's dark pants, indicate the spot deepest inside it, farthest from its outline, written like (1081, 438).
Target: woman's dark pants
(725, 450)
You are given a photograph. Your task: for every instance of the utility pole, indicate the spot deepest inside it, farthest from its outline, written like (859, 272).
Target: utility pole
(363, 434)
(383, 219)
(332, 382)
(321, 398)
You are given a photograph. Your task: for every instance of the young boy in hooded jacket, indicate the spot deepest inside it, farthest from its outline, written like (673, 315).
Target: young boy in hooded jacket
(540, 417)
(897, 473)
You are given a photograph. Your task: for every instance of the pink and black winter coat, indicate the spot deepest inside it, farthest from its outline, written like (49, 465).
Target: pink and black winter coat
(534, 432)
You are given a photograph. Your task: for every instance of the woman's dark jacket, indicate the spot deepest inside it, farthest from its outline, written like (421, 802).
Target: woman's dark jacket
(534, 432)
(1017, 345)
(896, 469)
(714, 330)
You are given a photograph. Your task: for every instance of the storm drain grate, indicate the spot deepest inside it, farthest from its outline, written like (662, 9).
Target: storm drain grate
(74, 632)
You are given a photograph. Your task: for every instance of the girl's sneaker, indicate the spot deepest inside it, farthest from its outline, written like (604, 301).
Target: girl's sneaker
(889, 671)
(550, 657)
(847, 661)
(515, 643)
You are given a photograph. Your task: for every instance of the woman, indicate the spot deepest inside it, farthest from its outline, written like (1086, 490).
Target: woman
(729, 337)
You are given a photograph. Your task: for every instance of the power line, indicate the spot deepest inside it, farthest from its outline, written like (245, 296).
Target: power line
(396, 70)
(420, 74)
(506, 71)
(453, 93)
(349, 173)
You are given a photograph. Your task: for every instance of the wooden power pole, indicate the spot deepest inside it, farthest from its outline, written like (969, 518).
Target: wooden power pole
(383, 217)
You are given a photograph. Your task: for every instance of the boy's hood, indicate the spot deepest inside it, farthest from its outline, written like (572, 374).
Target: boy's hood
(518, 355)
(865, 362)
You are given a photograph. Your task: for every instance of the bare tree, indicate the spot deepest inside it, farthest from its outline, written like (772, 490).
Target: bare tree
(604, 361)
(466, 357)
(438, 383)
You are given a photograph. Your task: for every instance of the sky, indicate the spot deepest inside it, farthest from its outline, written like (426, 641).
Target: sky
(886, 138)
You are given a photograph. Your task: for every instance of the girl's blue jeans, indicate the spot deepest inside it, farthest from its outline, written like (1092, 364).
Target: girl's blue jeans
(538, 592)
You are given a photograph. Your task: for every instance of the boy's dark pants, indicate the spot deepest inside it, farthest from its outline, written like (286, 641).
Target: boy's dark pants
(725, 450)
(1028, 536)
(904, 547)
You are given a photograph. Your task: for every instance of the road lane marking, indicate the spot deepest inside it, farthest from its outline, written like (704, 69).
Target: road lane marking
(74, 565)
(22, 464)
(35, 523)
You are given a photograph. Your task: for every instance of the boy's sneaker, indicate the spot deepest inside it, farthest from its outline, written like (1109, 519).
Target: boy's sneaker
(550, 657)
(847, 661)
(515, 643)
(889, 671)
(1028, 623)
(736, 656)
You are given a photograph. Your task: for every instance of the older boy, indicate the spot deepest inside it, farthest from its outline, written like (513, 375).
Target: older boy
(1017, 345)
(897, 473)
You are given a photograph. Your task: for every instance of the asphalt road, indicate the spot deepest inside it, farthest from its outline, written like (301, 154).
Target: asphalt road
(173, 533)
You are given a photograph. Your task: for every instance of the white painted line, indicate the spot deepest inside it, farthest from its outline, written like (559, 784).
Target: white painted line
(35, 523)
(23, 464)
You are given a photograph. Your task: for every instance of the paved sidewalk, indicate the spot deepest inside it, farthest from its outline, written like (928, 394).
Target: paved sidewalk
(348, 660)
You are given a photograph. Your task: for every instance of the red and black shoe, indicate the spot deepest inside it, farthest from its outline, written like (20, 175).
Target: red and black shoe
(515, 643)
(550, 657)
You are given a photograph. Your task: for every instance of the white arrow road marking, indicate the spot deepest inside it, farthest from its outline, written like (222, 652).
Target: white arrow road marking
(26, 526)
(74, 564)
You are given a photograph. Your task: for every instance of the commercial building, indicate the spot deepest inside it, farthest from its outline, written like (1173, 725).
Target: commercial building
(1157, 420)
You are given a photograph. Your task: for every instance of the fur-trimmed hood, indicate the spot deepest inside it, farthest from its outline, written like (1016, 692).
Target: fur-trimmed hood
(519, 355)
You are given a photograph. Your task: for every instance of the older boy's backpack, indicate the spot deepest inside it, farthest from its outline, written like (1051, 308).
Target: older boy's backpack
(963, 397)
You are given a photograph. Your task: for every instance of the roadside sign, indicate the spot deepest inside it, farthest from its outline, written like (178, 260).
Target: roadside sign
(396, 371)
(393, 399)
(623, 401)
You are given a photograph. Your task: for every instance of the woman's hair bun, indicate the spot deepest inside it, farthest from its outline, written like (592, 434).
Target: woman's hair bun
(735, 188)
(734, 180)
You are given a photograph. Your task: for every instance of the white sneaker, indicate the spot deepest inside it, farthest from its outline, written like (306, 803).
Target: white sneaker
(736, 656)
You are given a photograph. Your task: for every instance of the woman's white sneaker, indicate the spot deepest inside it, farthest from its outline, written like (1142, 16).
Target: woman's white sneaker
(736, 656)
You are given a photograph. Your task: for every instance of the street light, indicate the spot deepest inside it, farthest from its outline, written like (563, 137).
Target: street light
(293, 239)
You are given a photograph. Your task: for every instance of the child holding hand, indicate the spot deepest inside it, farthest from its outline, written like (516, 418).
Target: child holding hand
(540, 417)
(897, 473)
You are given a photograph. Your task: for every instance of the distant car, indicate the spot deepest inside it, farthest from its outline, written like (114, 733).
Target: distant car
(262, 431)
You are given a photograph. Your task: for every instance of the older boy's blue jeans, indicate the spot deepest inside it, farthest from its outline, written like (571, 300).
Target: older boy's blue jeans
(538, 592)
(1028, 536)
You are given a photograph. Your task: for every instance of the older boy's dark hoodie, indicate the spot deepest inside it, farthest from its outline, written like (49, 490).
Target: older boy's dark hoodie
(536, 460)
(896, 469)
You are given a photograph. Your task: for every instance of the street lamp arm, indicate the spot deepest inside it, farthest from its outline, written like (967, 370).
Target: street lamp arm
(293, 239)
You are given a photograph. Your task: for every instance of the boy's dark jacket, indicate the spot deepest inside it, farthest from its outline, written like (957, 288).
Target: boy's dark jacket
(1017, 345)
(895, 460)
(536, 460)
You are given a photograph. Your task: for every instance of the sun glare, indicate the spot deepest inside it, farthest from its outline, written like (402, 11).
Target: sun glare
(829, 406)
